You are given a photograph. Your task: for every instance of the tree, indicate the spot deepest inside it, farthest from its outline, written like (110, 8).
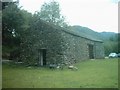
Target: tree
(12, 21)
(15, 23)
(112, 43)
(50, 12)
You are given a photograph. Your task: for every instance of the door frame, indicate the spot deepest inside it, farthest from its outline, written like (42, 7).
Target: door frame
(42, 56)
(91, 51)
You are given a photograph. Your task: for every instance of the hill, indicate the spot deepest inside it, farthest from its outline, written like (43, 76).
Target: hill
(86, 32)
(108, 35)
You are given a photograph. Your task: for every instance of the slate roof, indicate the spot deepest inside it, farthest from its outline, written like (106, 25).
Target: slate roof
(83, 35)
(74, 32)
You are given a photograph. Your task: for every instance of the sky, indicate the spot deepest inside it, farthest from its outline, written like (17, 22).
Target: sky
(98, 15)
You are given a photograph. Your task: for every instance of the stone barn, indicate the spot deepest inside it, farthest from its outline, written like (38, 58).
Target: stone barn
(48, 44)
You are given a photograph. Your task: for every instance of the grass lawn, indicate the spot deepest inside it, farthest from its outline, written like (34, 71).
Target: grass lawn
(90, 74)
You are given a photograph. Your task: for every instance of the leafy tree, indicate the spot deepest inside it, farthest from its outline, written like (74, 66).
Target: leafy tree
(118, 42)
(50, 12)
(12, 21)
(112, 44)
(15, 23)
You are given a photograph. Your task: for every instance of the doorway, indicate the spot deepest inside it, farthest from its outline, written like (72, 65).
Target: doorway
(42, 57)
(91, 52)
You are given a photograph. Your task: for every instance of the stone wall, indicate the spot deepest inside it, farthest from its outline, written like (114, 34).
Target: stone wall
(61, 46)
(99, 50)
(77, 48)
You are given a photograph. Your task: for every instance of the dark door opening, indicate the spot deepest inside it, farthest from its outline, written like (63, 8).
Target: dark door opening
(42, 57)
(91, 52)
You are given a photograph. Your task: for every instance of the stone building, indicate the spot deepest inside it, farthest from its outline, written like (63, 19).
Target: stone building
(52, 44)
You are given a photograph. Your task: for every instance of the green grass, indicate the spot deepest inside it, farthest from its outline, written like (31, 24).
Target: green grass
(90, 74)
(0, 76)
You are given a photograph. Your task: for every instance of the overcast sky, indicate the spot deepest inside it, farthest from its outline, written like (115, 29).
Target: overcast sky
(98, 15)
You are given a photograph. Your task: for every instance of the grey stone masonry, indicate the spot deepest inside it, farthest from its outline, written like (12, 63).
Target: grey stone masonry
(61, 45)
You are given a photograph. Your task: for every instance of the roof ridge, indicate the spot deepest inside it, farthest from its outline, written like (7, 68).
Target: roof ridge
(69, 31)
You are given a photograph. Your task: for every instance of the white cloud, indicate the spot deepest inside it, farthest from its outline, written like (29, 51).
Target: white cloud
(31, 5)
(99, 15)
